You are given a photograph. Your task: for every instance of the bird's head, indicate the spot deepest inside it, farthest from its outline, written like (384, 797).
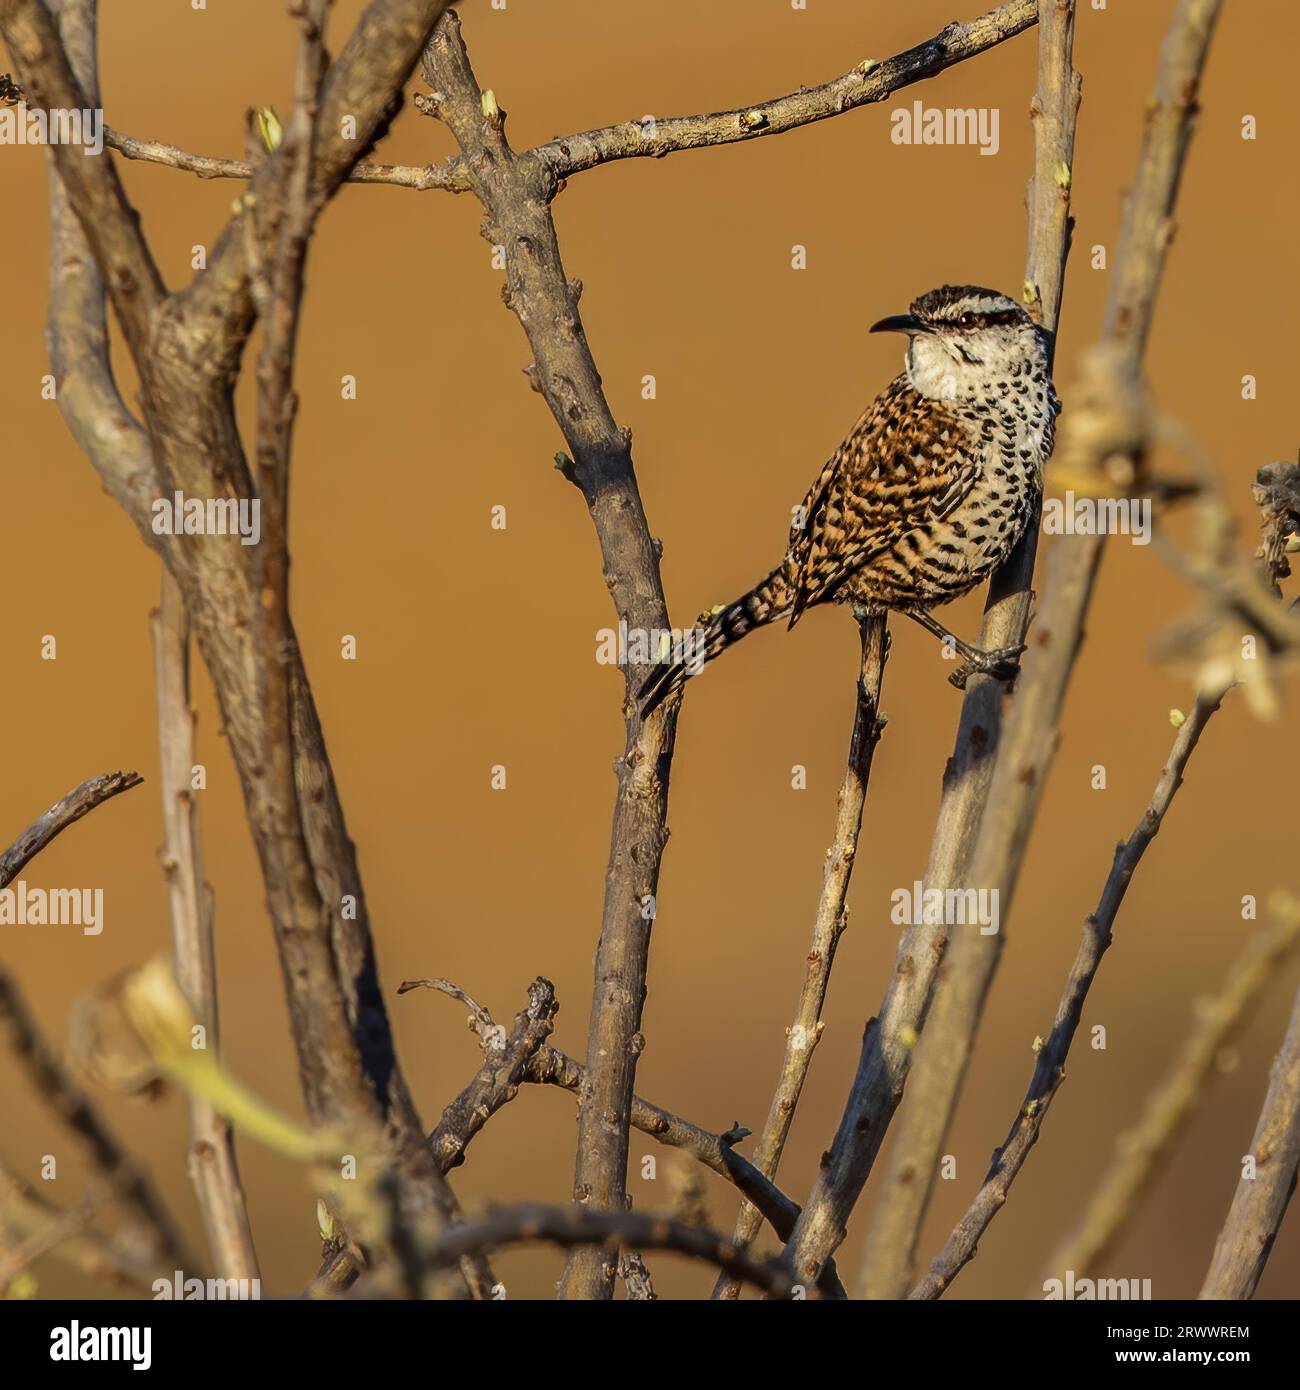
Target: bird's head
(961, 338)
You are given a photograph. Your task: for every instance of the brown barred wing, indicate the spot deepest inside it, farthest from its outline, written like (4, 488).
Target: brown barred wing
(909, 462)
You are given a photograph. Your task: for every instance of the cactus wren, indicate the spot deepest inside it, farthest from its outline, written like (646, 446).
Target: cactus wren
(930, 491)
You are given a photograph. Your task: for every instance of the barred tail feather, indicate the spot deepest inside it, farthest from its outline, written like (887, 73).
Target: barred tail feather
(763, 604)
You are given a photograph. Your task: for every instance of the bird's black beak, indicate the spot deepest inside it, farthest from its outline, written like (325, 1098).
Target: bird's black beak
(899, 323)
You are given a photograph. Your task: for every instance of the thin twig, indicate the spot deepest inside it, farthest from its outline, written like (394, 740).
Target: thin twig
(804, 1033)
(448, 176)
(68, 810)
(1139, 1152)
(211, 1160)
(499, 1078)
(866, 83)
(490, 1033)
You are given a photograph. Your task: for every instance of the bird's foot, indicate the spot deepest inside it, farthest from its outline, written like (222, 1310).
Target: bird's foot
(1002, 664)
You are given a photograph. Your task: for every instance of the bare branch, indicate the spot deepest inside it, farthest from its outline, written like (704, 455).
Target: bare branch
(94, 190)
(610, 1231)
(76, 329)
(1139, 1152)
(804, 1033)
(211, 1160)
(68, 810)
(1049, 1071)
(504, 1064)
(1261, 1199)
(490, 1034)
(866, 83)
(516, 196)
(448, 176)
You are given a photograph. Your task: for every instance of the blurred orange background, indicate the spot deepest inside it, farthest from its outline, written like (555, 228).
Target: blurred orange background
(477, 646)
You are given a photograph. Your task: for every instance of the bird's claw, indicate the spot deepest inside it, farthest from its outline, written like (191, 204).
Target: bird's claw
(1003, 664)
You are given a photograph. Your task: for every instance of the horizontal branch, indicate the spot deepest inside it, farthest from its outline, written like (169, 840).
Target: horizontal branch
(448, 176)
(573, 1226)
(866, 83)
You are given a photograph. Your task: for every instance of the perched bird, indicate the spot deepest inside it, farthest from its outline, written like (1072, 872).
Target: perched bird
(929, 493)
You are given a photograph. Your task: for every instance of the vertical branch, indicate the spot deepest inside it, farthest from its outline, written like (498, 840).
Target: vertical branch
(76, 331)
(212, 1165)
(804, 1033)
(516, 195)
(96, 194)
(1138, 1153)
(944, 1049)
(1029, 742)
(890, 1038)
(1049, 1069)
(1260, 1202)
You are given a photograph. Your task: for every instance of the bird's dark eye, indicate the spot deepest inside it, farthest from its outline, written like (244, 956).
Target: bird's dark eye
(967, 320)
